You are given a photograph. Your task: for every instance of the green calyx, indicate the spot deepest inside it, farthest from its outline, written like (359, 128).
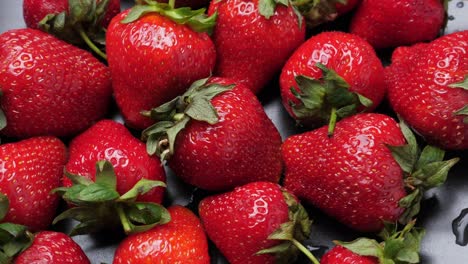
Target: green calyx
(14, 238)
(267, 8)
(98, 206)
(422, 170)
(317, 12)
(291, 233)
(197, 20)
(174, 115)
(325, 100)
(80, 25)
(464, 110)
(398, 247)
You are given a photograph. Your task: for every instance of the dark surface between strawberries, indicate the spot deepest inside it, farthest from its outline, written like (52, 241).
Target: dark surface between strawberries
(440, 208)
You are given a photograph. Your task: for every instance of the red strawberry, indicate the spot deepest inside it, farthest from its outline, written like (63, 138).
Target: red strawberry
(437, 104)
(182, 240)
(153, 59)
(348, 6)
(29, 170)
(256, 223)
(318, 12)
(355, 177)
(52, 248)
(389, 23)
(254, 38)
(341, 255)
(49, 87)
(311, 93)
(216, 137)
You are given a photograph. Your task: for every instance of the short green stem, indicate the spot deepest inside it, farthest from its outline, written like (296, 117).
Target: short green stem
(127, 226)
(305, 251)
(172, 3)
(90, 44)
(332, 122)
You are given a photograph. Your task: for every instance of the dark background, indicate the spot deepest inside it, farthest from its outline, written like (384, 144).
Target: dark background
(439, 210)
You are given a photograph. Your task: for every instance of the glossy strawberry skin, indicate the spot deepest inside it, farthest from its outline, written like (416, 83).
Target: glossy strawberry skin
(152, 60)
(350, 5)
(29, 171)
(35, 10)
(341, 255)
(351, 176)
(255, 55)
(348, 55)
(49, 87)
(182, 240)
(52, 248)
(242, 147)
(249, 213)
(111, 141)
(390, 23)
(430, 105)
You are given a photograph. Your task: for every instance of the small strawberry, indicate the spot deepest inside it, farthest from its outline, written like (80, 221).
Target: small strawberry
(216, 136)
(436, 106)
(182, 240)
(256, 223)
(389, 23)
(333, 74)
(155, 52)
(29, 170)
(253, 39)
(360, 174)
(49, 87)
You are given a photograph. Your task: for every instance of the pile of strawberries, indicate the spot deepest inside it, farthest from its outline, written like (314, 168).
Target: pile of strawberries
(186, 84)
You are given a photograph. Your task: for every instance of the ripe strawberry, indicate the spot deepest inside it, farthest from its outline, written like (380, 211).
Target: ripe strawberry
(256, 223)
(437, 104)
(153, 59)
(216, 137)
(313, 94)
(29, 170)
(342, 255)
(390, 23)
(346, 7)
(359, 175)
(49, 87)
(318, 12)
(253, 39)
(182, 240)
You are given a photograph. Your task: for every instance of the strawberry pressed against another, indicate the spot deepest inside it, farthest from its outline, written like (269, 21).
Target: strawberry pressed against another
(428, 88)
(216, 136)
(155, 52)
(29, 170)
(49, 87)
(364, 174)
(182, 240)
(342, 255)
(318, 12)
(390, 23)
(259, 222)
(333, 74)
(253, 39)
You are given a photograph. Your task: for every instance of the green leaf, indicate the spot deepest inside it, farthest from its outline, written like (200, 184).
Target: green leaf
(4, 205)
(78, 179)
(141, 187)
(412, 204)
(364, 247)
(434, 174)
(81, 10)
(202, 110)
(144, 216)
(172, 135)
(428, 155)
(139, 11)
(392, 247)
(463, 84)
(282, 247)
(12, 230)
(80, 214)
(97, 193)
(406, 156)
(266, 8)
(105, 174)
(463, 111)
(364, 100)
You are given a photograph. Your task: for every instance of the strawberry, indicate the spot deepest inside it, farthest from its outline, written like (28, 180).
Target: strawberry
(436, 106)
(29, 170)
(153, 57)
(268, 220)
(318, 12)
(216, 136)
(253, 39)
(331, 74)
(390, 23)
(49, 87)
(364, 174)
(342, 255)
(182, 240)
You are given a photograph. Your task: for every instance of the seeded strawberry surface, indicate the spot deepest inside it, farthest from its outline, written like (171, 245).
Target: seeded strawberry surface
(341, 255)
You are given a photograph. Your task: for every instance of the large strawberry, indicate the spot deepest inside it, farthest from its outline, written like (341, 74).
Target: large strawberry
(359, 175)
(333, 74)
(256, 223)
(154, 54)
(29, 170)
(216, 136)
(436, 104)
(390, 23)
(254, 38)
(49, 87)
(182, 240)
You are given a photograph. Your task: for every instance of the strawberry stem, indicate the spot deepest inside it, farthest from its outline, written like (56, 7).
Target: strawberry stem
(90, 44)
(172, 3)
(124, 220)
(305, 251)
(332, 122)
